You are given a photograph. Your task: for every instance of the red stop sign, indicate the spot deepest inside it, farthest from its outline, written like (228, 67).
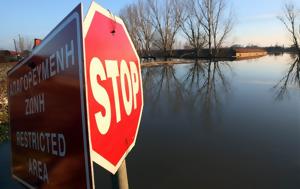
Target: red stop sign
(113, 88)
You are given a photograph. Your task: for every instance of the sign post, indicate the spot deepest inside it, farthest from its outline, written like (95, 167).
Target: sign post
(120, 179)
(114, 91)
(122, 176)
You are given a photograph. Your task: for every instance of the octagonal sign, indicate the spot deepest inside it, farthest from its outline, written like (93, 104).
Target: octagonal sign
(114, 91)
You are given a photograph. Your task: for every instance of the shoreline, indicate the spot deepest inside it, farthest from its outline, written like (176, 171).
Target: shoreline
(168, 62)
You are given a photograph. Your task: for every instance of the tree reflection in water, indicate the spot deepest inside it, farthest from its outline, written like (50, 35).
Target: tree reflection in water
(206, 86)
(292, 78)
(159, 81)
(200, 91)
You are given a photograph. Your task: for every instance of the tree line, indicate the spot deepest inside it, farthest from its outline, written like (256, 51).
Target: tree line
(155, 24)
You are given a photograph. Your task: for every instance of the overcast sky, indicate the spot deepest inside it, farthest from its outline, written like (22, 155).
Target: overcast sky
(255, 22)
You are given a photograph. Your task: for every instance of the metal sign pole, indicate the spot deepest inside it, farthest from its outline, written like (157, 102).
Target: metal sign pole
(120, 179)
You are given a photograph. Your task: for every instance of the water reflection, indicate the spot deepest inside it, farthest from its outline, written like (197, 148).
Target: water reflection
(200, 88)
(182, 144)
(292, 78)
(207, 86)
(162, 80)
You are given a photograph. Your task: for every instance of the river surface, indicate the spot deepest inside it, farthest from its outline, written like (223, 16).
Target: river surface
(227, 125)
(224, 125)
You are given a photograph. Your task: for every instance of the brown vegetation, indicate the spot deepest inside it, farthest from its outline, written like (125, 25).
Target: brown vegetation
(4, 67)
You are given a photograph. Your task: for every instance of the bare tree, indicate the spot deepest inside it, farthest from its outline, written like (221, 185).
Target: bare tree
(155, 24)
(166, 17)
(129, 14)
(217, 22)
(146, 28)
(23, 44)
(137, 20)
(289, 19)
(193, 29)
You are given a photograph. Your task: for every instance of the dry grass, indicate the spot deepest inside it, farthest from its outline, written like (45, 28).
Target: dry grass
(4, 67)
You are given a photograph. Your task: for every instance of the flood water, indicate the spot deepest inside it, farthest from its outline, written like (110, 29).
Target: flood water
(224, 125)
(227, 125)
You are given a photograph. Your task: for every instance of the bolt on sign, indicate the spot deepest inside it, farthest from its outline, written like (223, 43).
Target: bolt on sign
(71, 106)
